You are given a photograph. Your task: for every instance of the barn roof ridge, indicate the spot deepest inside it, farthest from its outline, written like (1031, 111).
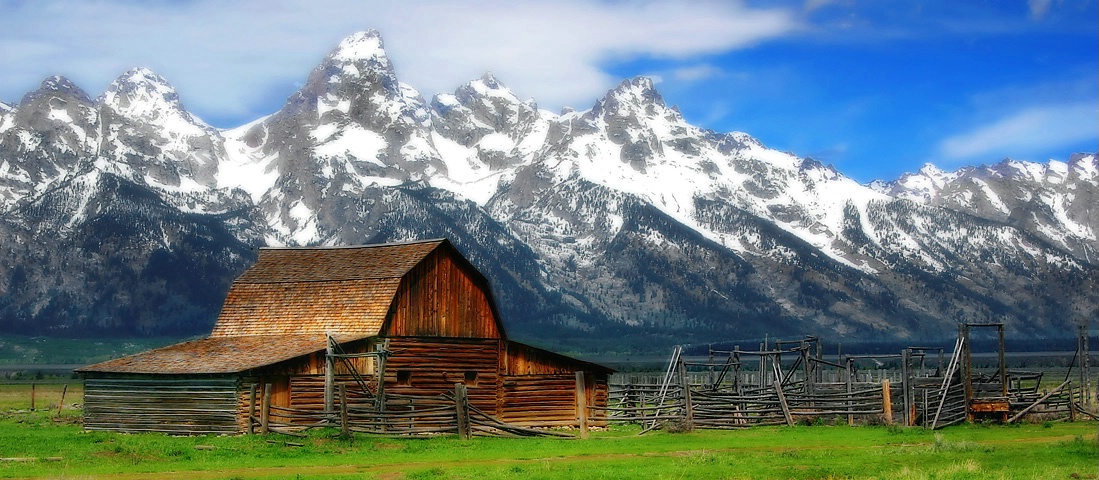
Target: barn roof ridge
(439, 240)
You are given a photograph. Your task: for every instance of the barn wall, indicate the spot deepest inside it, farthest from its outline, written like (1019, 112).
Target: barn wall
(549, 399)
(431, 366)
(442, 297)
(178, 404)
(299, 383)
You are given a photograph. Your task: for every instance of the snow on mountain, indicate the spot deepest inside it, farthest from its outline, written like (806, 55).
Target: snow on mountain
(1051, 200)
(483, 132)
(44, 138)
(620, 215)
(633, 143)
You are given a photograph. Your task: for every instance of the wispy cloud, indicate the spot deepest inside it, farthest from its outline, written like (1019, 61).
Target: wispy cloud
(695, 73)
(1034, 129)
(227, 58)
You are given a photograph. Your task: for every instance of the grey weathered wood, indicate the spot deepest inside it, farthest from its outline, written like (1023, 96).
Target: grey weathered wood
(329, 374)
(1038, 402)
(252, 409)
(345, 427)
(685, 385)
(461, 405)
(906, 358)
(582, 405)
(265, 410)
(782, 402)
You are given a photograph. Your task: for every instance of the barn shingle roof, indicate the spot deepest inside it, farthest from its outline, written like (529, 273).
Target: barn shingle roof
(215, 355)
(284, 306)
(344, 290)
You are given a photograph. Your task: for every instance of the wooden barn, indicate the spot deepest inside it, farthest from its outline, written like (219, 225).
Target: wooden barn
(392, 321)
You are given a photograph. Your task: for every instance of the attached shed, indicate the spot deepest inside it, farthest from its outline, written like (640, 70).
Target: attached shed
(408, 319)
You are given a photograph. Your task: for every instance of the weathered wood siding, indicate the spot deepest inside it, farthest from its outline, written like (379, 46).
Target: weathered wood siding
(442, 297)
(147, 403)
(548, 400)
(431, 366)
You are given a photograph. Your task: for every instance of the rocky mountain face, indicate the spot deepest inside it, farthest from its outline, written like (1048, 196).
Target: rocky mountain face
(618, 228)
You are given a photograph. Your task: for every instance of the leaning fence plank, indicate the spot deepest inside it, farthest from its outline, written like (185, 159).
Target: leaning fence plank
(1038, 402)
(782, 401)
(887, 402)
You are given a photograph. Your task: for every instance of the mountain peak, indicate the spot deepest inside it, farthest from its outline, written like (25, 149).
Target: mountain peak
(361, 46)
(489, 80)
(634, 96)
(641, 88)
(486, 86)
(57, 84)
(140, 92)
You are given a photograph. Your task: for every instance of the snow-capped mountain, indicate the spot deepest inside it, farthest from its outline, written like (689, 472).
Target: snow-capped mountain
(621, 221)
(1053, 200)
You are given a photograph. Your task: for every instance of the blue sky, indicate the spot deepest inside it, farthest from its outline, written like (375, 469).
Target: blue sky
(875, 87)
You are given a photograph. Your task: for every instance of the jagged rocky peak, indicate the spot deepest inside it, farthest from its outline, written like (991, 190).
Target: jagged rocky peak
(366, 46)
(56, 86)
(359, 59)
(632, 97)
(486, 87)
(481, 107)
(141, 93)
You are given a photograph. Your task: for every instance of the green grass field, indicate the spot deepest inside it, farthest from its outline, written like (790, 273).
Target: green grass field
(41, 444)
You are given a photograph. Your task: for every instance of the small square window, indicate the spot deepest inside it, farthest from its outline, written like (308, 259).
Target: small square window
(471, 378)
(404, 377)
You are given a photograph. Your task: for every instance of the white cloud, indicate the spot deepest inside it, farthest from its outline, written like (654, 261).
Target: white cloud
(1028, 131)
(228, 58)
(695, 73)
(1038, 8)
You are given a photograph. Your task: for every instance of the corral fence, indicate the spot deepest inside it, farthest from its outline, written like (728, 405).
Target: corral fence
(792, 383)
(391, 415)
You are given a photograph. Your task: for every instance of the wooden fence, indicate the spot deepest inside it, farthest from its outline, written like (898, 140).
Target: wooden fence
(719, 395)
(400, 415)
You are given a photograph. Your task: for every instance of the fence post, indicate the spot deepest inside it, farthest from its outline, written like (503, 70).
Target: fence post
(265, 410)
(582, 405)
(886, 402)
(782, 403)
(850, 372)
(252, 410)
(33, 386)
(909, 404)
(345, 426)
(329, 377)
(461, 404)
(62, 402)
(687, 406)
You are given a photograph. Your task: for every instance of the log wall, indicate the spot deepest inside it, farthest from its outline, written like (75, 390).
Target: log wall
(185, 406)
(548, 400)
(426, 366)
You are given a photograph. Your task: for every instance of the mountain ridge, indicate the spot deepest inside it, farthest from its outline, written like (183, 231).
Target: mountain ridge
(623, 220)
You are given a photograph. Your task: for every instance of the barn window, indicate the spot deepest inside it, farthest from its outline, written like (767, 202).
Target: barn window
(404, 377)
(471, 378)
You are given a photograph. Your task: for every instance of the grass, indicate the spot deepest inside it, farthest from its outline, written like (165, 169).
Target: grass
(51, 446)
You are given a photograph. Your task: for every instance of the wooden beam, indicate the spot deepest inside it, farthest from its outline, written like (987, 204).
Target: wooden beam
(1038, 402)
(782, 402)
(582, 405)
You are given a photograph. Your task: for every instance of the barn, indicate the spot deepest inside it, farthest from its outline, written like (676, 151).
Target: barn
(385, 322)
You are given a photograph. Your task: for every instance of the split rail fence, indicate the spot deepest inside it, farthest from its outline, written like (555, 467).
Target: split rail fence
(792, 383)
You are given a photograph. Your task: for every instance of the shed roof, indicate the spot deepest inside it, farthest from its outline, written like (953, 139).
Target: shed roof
(342, 290)
(215, 355)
